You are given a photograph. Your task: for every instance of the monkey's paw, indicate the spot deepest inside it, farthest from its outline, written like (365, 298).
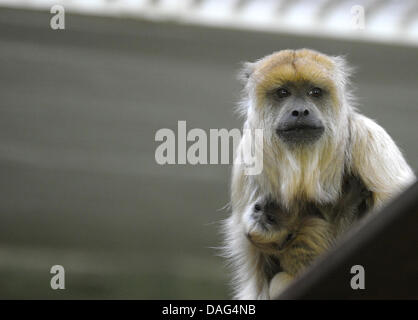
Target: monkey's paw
(279, 283)
(355, 192)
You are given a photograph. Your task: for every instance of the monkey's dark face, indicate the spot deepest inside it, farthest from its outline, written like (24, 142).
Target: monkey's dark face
(299, 119)
(295, 97)
(270, 227)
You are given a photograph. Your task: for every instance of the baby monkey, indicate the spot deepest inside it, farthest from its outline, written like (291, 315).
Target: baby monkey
(294, 239)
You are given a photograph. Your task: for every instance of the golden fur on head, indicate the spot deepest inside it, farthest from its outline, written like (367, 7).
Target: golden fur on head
(350, 145)
(294, 66)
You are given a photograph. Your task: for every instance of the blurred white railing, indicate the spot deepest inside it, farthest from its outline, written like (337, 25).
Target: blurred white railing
(390, 21)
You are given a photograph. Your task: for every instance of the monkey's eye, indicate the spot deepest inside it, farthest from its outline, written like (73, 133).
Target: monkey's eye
(282, 93)
(257, 207)
(315, 92)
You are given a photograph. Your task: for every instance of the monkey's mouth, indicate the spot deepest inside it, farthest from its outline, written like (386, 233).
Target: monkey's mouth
(300, 133)
(301, 128)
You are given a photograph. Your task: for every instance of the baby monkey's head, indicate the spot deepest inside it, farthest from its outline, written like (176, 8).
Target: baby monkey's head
(283, 233)
(270, 227)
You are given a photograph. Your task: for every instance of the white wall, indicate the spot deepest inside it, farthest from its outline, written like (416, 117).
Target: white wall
(389, 21)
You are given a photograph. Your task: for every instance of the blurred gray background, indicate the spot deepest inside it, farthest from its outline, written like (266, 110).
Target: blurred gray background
(79, 185)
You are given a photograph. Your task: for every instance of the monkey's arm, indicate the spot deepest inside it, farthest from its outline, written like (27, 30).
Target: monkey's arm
(376, 159)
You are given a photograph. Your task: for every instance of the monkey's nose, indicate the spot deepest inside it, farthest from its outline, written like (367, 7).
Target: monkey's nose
(300, 112)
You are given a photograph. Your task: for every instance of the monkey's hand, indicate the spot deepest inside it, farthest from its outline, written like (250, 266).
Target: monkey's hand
(279, 283)
(354, 192)
(356, 200)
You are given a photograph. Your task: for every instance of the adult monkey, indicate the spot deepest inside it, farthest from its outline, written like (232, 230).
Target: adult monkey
(324, 165)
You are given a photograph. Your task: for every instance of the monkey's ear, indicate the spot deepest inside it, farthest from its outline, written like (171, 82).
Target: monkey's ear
(343, 69)
(246, 71)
